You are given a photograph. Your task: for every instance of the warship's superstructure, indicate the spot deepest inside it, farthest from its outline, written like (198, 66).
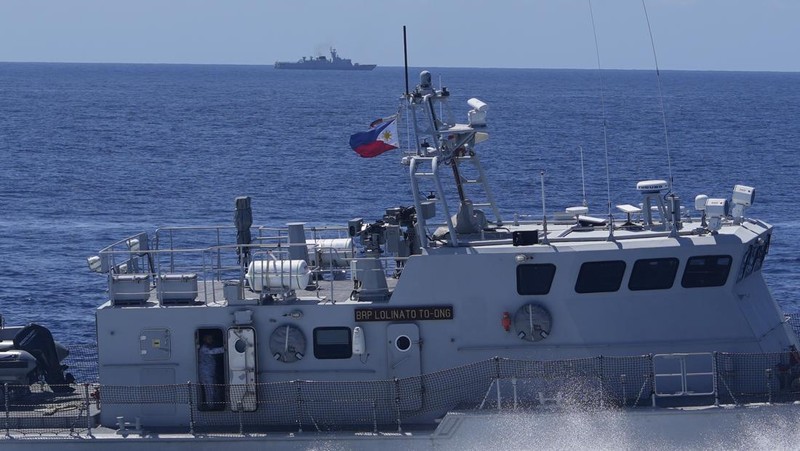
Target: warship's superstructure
(323, 63)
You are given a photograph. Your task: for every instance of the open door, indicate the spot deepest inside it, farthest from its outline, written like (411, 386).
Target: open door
(242, 368)
(210, 368)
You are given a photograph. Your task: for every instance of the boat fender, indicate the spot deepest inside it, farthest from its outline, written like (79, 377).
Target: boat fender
(359, 342)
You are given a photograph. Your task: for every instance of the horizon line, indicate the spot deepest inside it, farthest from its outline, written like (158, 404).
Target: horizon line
(270, 66)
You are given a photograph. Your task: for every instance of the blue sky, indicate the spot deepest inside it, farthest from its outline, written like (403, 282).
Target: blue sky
(758, 35)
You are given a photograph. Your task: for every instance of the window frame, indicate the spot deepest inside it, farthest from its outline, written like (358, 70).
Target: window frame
(582, 273)
(639, 275)
(522, 267)
(714, 283)
(330, 352)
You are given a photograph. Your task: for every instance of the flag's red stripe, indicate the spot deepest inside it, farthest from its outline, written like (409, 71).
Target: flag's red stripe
(373, 149)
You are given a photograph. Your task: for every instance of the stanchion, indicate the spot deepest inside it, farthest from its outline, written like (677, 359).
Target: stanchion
(191, 407)
(374, 417)
(8, 411)
(240, 410)
(624, 390)
(299, 408)
(87, 403)
(716, 380)
(768, 375)
(602, 382)
(397, 403)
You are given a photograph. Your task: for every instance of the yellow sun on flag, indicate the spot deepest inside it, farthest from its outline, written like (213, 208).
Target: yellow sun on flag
(387, 135)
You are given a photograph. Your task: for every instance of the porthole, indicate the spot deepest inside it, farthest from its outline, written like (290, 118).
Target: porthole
(402, 343)
(240, 346)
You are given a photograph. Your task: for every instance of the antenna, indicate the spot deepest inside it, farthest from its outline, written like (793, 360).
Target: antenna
(407, 96)
(583, 178)
(544, 212)
(405, 57)
(441, 105)
(660, 96)
(605, 132)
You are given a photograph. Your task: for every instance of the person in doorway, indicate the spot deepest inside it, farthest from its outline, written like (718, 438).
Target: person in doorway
(208, 371)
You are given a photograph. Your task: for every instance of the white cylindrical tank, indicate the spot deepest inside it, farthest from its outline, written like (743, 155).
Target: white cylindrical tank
(333, 251)
(278, 274)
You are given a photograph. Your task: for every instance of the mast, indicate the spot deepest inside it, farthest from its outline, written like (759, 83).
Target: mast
(440, 141)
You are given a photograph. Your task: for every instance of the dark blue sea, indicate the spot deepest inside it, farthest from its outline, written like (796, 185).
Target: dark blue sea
(91, 153)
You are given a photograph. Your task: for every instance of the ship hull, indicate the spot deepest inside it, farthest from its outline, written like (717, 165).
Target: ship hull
(710, 427)
(299, 66)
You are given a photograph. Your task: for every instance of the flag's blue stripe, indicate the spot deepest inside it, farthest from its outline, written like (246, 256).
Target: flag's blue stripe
(362, 138)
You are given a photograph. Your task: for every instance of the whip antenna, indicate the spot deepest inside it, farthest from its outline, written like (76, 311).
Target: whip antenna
(605, 133)
(405, 57)
(544, 212)
(583, 179)
(660, 96)
(408, 96)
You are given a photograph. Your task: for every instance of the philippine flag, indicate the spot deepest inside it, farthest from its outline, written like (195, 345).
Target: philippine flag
(381, 137)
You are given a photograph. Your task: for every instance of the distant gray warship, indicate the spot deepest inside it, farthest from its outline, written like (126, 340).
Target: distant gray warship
(323, 63)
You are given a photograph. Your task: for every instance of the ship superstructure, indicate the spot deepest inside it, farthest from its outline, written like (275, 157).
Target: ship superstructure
(438, 285)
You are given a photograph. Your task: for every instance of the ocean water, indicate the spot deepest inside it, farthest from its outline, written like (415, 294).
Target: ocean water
(92, 153)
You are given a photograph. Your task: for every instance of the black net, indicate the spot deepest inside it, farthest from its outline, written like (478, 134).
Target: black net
(794, 321)
(306, 405)
(462, 387)
(575, 382)
(144, 394)
(627, 381)
(747, 378)
(385, 405)
(506, 383)
(82, 363)
(35, 411)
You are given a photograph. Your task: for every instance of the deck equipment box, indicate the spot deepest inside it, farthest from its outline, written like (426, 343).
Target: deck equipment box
(177, 288)
(129, 289)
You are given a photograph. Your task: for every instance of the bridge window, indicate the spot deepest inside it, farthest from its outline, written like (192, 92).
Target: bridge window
(653, 274)
(600, 277)
(333, 343)
(706, 271)
(535, 279)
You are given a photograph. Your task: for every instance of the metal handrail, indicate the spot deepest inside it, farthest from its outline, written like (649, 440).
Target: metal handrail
(684, 374)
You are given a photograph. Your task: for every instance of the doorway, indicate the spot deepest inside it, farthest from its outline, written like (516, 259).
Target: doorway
(210, 346)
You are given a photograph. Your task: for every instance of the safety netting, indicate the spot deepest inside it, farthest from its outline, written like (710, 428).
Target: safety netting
(371, 405)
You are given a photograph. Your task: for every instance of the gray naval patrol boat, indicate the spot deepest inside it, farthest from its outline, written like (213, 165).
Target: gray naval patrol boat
(441, 324)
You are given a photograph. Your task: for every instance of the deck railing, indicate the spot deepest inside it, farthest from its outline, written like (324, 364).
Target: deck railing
(388, 405)
(204, 257)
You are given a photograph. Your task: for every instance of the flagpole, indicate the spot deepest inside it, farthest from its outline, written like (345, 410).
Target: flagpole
(405, 57)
